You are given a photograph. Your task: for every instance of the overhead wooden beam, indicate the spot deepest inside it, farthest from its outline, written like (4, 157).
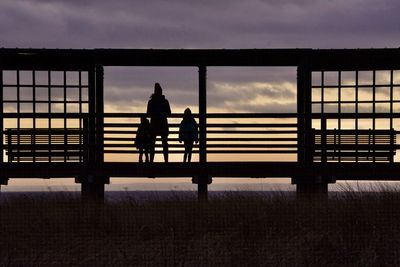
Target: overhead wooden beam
(318, 59)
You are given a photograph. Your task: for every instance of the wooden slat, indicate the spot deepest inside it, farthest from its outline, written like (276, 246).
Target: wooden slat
(121, 139)
(212, 125)
(355, 145)
(44, 144)
(214, 145)
(132, 151)
(238, 131)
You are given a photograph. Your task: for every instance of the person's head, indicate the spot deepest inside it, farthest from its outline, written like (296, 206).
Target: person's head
(187, 113)
(157, 89)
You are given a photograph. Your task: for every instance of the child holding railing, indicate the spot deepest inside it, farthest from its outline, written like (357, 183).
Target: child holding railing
(188, 133)
(143, 139)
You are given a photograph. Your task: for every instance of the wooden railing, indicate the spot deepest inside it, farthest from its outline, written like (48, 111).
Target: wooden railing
(243, 134)
(225, 134)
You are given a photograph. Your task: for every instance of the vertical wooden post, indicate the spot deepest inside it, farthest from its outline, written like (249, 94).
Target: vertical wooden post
(301, 144)
(49, 98)
(65, 114)
(85, 139)
(93, 186)
(374, 113)
(100, 182)
(304, 114)
(3, 179)
(9, 143)
(203, 177)
(18, 112)
(99, 115)
(92, 115)
(306, 184)
(306, 80)
(356, 117)
(1, 119)
(392, 145)
(323, 140)
(34, 111)
(392, 132)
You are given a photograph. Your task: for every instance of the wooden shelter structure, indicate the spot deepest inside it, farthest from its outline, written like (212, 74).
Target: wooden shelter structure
(344, 128)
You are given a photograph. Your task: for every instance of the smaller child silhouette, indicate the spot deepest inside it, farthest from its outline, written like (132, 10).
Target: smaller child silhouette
(143, 139)
(188, 133)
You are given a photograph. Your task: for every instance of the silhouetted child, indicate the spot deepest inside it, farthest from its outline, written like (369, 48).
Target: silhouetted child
(188, 133)
(143, 139)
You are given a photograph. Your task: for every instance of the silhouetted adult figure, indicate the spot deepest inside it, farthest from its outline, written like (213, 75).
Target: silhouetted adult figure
(158, 110)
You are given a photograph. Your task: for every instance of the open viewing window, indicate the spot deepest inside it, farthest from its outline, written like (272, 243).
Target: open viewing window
(44, 114)
(356, 109)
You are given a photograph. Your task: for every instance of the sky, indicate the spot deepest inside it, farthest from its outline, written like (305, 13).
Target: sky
(200, 24)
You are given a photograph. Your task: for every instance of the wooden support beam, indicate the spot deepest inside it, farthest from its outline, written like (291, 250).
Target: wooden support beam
(306, 184)
(311, 190)
(1, 118)
(300, 120)
(203, 177)
(92, 187)
(92, 192)
(99, 114)
(308, 135)
(92, 116)
(319, 59)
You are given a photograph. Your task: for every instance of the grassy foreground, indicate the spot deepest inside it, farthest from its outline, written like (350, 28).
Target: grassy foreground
(350, 229)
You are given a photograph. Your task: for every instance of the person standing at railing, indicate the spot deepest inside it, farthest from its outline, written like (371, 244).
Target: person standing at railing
(143, 139)
(158, 110)
(188, 133)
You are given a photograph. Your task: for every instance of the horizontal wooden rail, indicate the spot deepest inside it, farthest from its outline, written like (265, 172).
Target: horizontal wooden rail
(260, 133)
(347, 115)
(210, 139)
(46, 102)
(355, 102)
(238, 131)
(111, 151)
(216, 145)
(210, 115)
(353, 85)
(54, 115)
(215, 125)
(273, 134)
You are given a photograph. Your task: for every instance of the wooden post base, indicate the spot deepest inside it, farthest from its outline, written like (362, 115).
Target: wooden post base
(202, 187)
(92, 188)
(312, 190)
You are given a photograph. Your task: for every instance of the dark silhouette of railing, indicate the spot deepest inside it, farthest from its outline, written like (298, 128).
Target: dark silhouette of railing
(44, 144)
(227, 137)
(252, 138)
(355, 146)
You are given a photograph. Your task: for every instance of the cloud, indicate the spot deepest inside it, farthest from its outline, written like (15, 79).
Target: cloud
(203, 24)
(200, 24)
(227, 87)
(253, 97)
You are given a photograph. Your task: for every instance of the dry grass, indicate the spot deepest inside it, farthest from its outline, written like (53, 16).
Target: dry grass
(348, 229)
